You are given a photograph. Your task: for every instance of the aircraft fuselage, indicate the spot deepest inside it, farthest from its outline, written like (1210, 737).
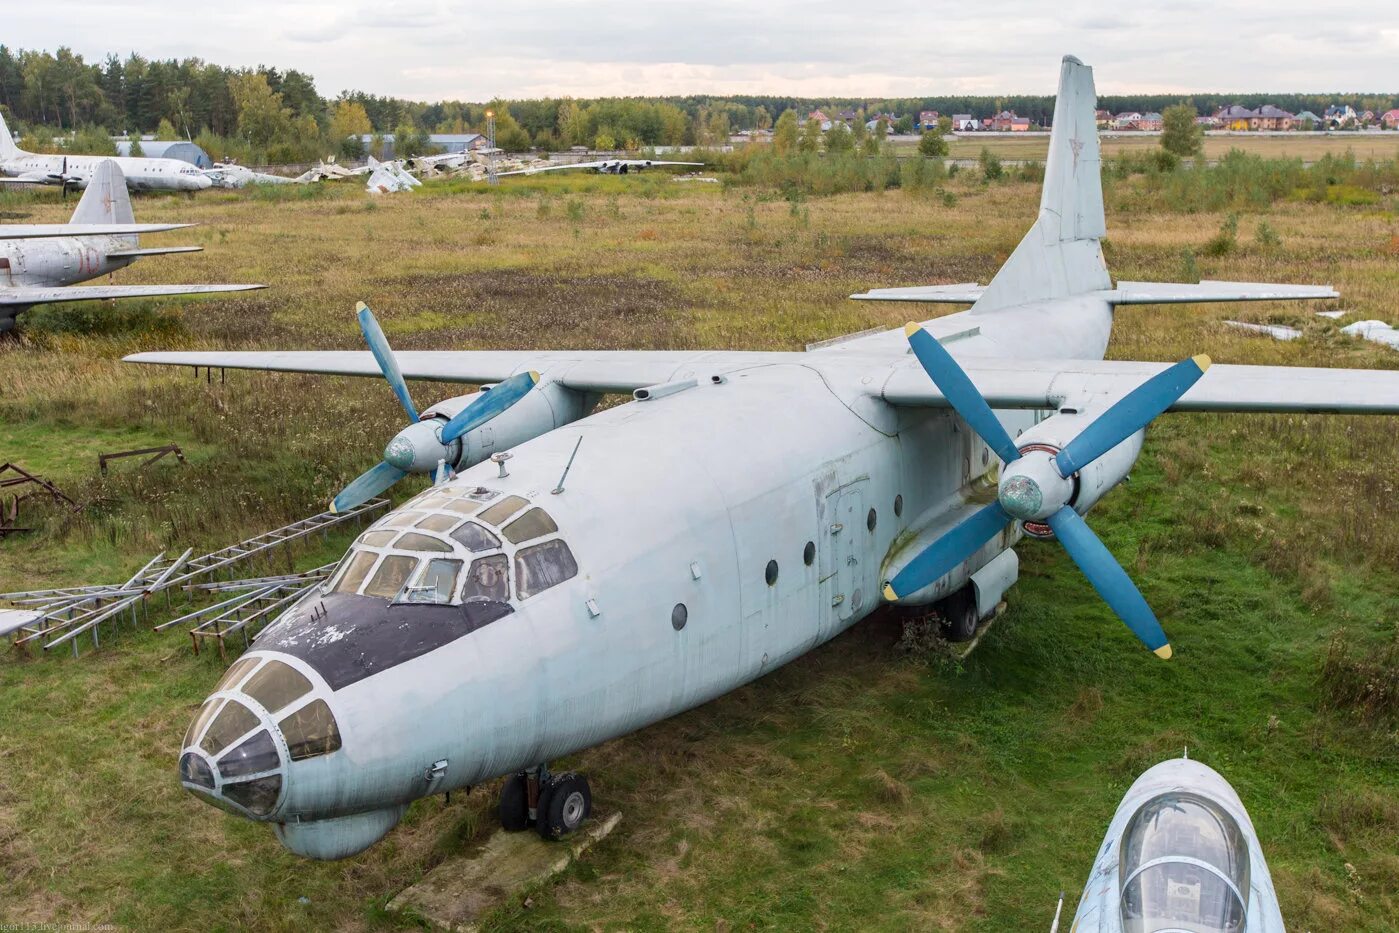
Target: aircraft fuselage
(55, 261)
(141, 174)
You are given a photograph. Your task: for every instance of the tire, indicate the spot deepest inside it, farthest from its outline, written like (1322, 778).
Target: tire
(564, 807)
(958, 612)
(514, 804)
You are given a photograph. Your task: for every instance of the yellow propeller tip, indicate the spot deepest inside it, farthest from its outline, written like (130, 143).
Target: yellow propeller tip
(911, 328)
(1202, 361)
(534, 376)
(1164, 652)
(360, 306)
(889, 593)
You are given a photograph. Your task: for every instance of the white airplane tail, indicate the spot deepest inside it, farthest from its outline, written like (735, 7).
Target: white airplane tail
(106, 200)
(8, 149)
(1060, 256)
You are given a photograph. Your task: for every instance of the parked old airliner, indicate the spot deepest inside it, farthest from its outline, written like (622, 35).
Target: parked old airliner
(615, 567)
(140, 173)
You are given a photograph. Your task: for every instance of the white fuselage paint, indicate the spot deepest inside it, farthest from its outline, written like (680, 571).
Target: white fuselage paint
(55, 261)
(684, 499)
(141, 174)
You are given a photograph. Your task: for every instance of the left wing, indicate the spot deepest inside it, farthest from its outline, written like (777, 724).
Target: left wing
(551, 168)
(963, 293)
(31, 231)
(42, 296)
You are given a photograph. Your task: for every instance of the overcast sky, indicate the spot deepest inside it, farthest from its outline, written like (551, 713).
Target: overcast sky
(445, 49)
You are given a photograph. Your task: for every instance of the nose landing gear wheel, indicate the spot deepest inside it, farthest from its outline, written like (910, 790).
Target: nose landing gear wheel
(564, 803)
(514, 804)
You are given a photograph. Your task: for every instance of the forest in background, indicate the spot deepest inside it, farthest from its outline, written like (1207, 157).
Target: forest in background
(266, 115)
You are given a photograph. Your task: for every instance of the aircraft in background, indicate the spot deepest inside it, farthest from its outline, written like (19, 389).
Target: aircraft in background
(74, 171)
(611, 568)
(232, 175)
(602, 166)
(1180, 856)
(37, 260)
(1373, 331)
(387, 177)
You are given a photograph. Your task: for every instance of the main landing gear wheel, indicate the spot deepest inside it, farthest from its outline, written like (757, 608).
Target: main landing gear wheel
(514, 804)
(564, 803)
(958, 612)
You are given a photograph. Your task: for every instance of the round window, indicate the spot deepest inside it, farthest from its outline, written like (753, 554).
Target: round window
(809, 553)
(898, 506)
(871, 520)
(771, 573)
(679, 616)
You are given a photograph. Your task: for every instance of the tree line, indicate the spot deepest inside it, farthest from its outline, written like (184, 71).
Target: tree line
(264, 114)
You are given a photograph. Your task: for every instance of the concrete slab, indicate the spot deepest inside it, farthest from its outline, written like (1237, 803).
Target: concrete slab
(457, 894)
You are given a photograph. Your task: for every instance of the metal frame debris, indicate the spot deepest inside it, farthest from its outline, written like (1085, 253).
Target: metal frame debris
(104, 459)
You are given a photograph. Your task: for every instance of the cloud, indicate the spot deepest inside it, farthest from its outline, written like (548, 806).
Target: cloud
(436, 49)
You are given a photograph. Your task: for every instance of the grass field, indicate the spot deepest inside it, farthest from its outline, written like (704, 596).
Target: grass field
(862, 786)
(1305, 146)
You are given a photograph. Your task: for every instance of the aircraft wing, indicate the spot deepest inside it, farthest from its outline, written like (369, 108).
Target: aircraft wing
(42, 296)
(1050, 384)
(31, 231)
(30, 178)
(963, 293)
(1005, 384)
(1151, 293)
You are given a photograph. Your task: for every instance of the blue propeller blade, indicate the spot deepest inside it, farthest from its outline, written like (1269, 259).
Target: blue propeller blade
(366, 486)
(1130, 414)
(489, 404)
(1108, 578)
(960, 392)
(948, 551)
(383, 354)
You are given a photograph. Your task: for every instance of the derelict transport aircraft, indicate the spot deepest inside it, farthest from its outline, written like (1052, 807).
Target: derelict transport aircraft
(141, 174)
(602, 167)
(37, 260)
(1180, 854)
(625, 565)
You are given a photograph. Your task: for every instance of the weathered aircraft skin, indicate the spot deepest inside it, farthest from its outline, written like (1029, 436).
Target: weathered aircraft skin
(1180, 854)
(745, 507)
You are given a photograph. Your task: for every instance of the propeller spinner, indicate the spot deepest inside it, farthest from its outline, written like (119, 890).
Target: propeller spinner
(1037, 485)
(423, 445)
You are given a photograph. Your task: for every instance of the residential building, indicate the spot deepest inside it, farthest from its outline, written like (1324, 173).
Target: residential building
(1237, 117)
(1150, 122)
(1126, 121)
(1103, 118)
(964, 122)
(1390, 119)
(1306, 116)
(1004, 122)
(1274, 118)
(927, 119)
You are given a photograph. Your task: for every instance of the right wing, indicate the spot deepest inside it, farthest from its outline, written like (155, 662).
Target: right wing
(1153, 293)
(551, 168)
(42, 296)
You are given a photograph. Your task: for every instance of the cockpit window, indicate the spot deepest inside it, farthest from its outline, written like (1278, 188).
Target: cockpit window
(462, 506)
(310, 731)
(258, 796)
(475, 538)
(402, 519)
(277, 685)
(436, 584)
(543, 565)
(233, 720)
(502, 510)
(533, 524)
(433, 500)
(1184, 864)
(390, 576)
(355, 568)
(439, 522)
(376, 538)
(206, 712)
(258, 753)
(416, 542)
(488, 579)
(236, 673)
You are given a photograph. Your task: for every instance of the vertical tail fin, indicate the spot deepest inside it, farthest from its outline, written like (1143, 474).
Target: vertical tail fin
(8, 149)
(1060, 255)
(105, 201)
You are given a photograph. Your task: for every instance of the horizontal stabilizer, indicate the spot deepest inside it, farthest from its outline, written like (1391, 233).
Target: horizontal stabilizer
(152, 251)
(1155, 293)
(32, 231)
(41, 296)
(963, 293)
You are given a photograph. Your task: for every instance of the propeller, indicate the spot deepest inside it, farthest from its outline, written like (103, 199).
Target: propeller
(66, 181)
(1037, 485)
(424, 446)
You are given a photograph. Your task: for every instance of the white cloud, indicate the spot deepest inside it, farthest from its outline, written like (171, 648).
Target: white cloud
(435, 49)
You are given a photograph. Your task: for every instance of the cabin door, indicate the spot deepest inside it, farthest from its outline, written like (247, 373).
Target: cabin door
(842, 534)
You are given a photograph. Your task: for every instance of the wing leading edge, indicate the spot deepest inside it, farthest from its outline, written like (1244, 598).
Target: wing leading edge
(42, 296)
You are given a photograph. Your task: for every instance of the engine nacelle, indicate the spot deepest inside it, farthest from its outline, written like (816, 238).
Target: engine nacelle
(1095, 480)
(545, 407)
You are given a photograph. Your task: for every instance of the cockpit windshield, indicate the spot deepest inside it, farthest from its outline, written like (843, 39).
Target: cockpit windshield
(1184, 866)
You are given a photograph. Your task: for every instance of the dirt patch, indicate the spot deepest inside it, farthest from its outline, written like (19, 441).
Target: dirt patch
(511, 308)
